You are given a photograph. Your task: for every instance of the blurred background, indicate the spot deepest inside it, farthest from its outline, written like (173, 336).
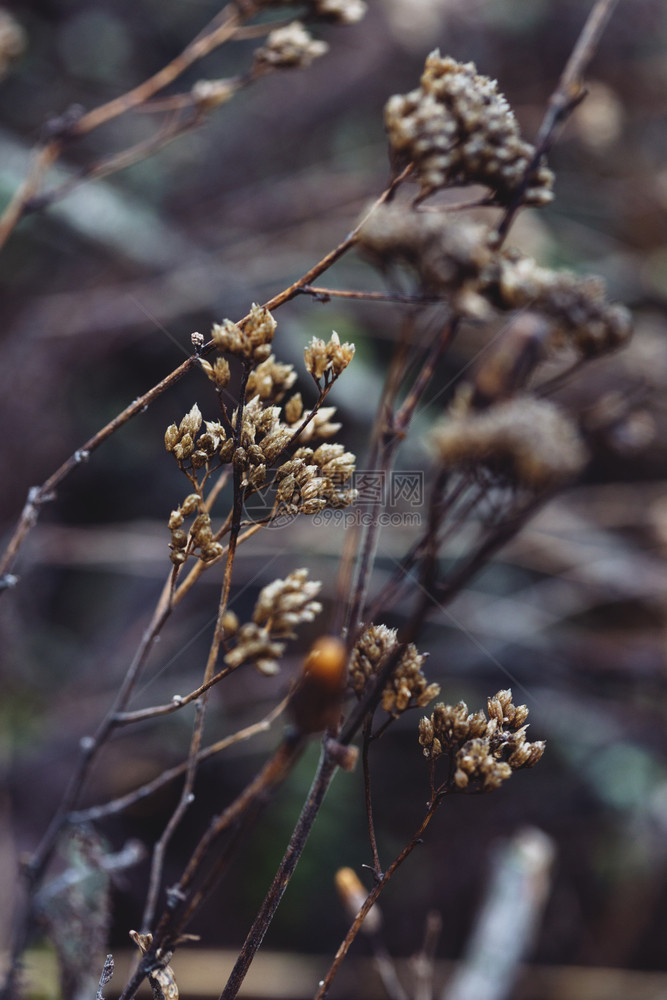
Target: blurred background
(99, 296)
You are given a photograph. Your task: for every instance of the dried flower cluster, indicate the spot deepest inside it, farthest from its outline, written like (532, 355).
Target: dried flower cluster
(458, 129)
(194, 452)
(327, 360)
(290, 47)
(252, 340)
(270, 380)
(306, 480)
(578, 307)
(407, 686)
(199, 539)
(313, 480)
(524, 441)
(280, 607)
(484, 751)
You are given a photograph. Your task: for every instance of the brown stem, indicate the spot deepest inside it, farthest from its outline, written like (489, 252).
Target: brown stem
(131, 799)
(177, 702)
(212, 37)
(377, 867)
(323, 777)
(562, 102)
(89, 748)
(394, 297)
(325, 984)
(185, 801)
(40, 495)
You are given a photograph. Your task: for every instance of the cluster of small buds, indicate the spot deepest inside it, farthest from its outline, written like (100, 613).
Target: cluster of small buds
(321, 425)
(196, 452)
(252, 341)
(458, 129)
(263, 434)
(284, 604)
(289, 47)
(407, 687)
(327, 360)
(270, 381)
(312, 480)
(525, 442)
(210, 94)
(447, 254)
(336, 11)
(280, 607)
(218, 372)
(485, 751)
(255, 645)
(200, 537)
(578, 306)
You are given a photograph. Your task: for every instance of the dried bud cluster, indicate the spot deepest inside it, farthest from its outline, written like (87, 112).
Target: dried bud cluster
(578, 306)
(290, 47)
(407, 687)
(196, 452)
(458, 129)
(218, 372)
(327, 360)
(200, 537)
(252, 340)
(280, 607)
(270, 381)
(447, 254)
(485, 751)
(313, 480)
(525, 441)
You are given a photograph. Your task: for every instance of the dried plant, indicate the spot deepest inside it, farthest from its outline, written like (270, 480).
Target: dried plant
(498, 453)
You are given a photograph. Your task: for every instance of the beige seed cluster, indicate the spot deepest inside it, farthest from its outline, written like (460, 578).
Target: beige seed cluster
(314, 480)
(270, 380)
(448, 254)
(251, 341)
(485, 751)
(199, 540)
(196, 451)
(281, 606)
(525, 441)
(577, 306)
(289, 47)
(458, 129)
(327, 360)
(407, 687)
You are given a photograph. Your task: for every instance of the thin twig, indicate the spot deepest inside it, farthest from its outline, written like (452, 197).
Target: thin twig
(126, 801)
(325, 984)
(377, 867)
(562, 102)
(39, 495)
(324, 294)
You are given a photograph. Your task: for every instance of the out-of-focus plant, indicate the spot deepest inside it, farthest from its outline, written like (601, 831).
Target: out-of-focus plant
(500, 451)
